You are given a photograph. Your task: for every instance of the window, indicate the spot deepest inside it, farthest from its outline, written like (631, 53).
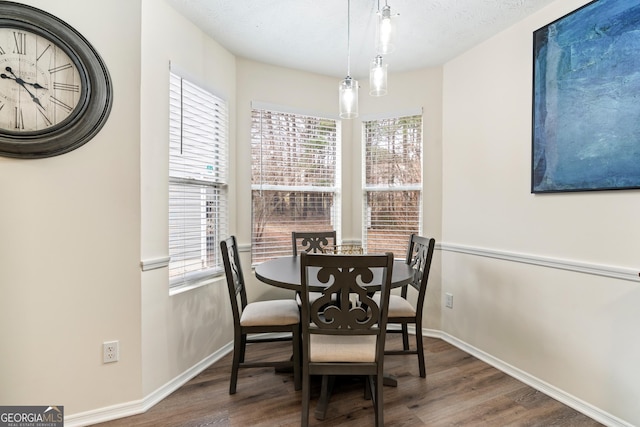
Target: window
(295, 180)
(198, 123)
(392, 183)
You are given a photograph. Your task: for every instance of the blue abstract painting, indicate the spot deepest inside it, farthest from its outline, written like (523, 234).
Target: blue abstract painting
(586, 100)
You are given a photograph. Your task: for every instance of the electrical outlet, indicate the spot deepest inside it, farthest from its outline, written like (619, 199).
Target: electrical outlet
(448, 300)
(110, 351)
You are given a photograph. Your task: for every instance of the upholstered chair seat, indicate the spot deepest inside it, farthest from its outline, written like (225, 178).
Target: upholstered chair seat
(258, 322)
(343, 328)
(275, 312)
(401, 311)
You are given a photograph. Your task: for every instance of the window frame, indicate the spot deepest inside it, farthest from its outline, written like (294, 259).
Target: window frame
(333, 134)
(367, 188)
(198, 177)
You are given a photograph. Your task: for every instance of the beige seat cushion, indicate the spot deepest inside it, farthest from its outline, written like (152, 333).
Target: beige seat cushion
(342, 348)
(270, 313)
(398, 306)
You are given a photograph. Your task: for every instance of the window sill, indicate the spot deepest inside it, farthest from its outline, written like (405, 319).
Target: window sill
(179, 289)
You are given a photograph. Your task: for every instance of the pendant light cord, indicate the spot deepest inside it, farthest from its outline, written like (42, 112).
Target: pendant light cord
(349, 38)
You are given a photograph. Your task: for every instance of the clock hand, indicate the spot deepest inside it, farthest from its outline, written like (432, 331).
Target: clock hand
(22, 83)
(18, 79)
(35, 85)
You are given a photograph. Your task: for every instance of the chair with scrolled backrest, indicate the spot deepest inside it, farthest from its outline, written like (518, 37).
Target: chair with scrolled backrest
(273, 316)
(313, 241)
(401, 311)
(343, 330)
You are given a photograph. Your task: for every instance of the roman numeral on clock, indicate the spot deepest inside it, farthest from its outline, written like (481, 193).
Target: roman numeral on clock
(46, 119)
(43, 52)
(19, 123)
(20, 40)
(59, 68)
(56, 101)
(66, 86)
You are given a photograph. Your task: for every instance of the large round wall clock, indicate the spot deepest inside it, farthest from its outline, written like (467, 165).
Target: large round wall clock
(55, 90)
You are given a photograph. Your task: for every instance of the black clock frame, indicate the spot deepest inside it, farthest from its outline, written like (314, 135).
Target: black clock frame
(96, 97)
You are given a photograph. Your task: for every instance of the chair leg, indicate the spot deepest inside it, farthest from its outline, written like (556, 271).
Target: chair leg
(378, 401)
(238, 352)
(306, 396)
(369, 389)
(243, 346)
(296, 357)
(420, 349)
(405, 337)
(325, 395)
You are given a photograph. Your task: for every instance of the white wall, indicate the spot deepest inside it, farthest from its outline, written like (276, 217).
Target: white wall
(74, 228)
(575, 331)
(70, 242)
(178, 331)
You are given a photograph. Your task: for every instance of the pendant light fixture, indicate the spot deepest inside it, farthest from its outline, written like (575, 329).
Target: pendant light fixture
(385, 30)
(348, 88)
(378, 77)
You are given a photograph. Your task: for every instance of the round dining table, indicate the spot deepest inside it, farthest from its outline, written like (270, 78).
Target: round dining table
(284, 273)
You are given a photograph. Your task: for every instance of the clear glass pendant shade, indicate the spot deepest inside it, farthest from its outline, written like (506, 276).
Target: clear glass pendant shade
(378, 77)
(385, 32)
(348, 98)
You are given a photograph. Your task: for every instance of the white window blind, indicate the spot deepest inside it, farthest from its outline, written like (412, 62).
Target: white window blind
(198, 170)
(295, 180)
(392, 183)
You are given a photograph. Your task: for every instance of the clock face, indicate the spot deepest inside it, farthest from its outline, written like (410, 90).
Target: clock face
(40, 85)
(55, 90)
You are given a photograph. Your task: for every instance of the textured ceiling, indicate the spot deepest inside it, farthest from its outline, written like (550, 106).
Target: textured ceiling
(311, 35)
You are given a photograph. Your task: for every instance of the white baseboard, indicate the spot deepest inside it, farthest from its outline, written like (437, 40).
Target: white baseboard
(136, 407)
(140, 406)
(536, 383)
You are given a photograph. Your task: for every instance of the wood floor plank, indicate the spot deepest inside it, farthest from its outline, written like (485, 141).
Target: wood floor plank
(460, 390)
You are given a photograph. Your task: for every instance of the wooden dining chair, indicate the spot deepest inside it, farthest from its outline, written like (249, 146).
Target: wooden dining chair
(273, 316)
(313, 241)
(343, 331)
(401, 311)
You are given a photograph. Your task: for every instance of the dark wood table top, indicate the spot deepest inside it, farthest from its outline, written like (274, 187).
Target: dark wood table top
(284, 273)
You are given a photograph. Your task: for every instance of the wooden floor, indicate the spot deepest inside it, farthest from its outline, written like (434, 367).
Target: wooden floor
(459, 390)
